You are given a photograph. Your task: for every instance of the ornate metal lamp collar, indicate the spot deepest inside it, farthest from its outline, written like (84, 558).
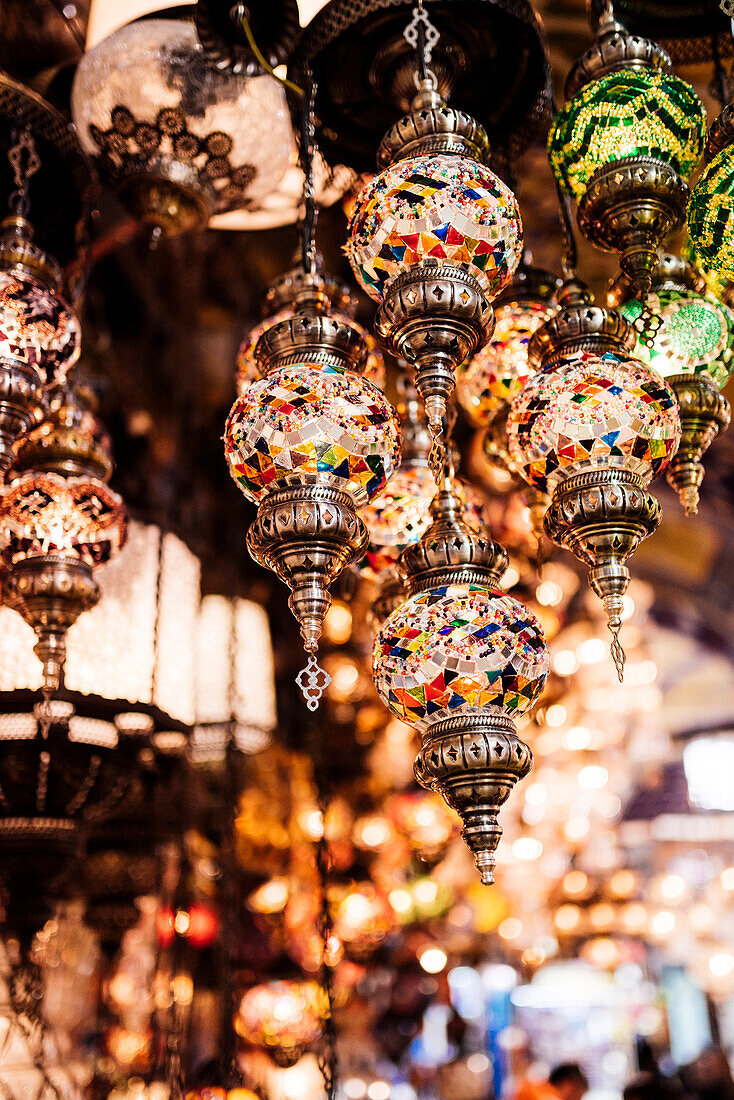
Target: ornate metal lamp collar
(449, 552)
(309, 292)
(579, 325)
(19, 252)
(433, 127)
(614, 49)
(315, 337)
(72, 441)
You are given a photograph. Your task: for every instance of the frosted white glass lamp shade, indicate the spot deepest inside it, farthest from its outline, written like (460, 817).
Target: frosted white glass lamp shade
(180, 139)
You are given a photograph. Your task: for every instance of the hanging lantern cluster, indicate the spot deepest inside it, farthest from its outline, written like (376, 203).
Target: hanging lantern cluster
(460, 661)
(624, 145)
(593, 427)
(693, 349)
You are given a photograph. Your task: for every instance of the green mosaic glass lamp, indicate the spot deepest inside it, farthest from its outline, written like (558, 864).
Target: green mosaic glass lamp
(623, 145)
(711, 207)
(693, 349)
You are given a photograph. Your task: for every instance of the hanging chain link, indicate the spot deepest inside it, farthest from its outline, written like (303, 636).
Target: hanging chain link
(619, 656)
(422, 36)
(174, 1035)
(310, 207)
(647, 324)
(727, 6)
(25, 162)
(326, 1056)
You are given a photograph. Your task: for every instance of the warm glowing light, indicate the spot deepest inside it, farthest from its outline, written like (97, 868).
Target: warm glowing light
(702, 918)
(622, 884)
(577, 739)
(603, 953)
(567, 918)
(379, 1090)
(510, 928)
(426, 891)
(373, 831)
(721, 964)
(549, 594)
(401, 901)
(556, 715)
(673, 887)
(602, 915)
(181, 922)
(726, 878)
(271, 897)
(708, 764)
(663, 923)
(565, 662)
(536, 794)
(527, 848)
(338, 623)
(354, 1088)
(509, 578)
(182, 988)
(592, 651)
(634, 917)
(433, 960)
(478, 1063)
(575, 883)
(593, 777)
(577, 828)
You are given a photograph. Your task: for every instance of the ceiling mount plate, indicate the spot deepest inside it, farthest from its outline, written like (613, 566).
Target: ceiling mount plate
(490, 61)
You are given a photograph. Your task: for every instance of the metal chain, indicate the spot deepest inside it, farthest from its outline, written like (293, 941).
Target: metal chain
(422, 36)
(326, 1055)
(647, 324)
(310, 208)
(174, 1031)
(25, 162)
(619, 657)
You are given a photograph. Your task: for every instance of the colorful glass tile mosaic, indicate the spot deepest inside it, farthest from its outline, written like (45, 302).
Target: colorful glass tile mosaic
(439, 207)
(631, 113)
(37, 327)
(307, 423)
(499, 371)
(400, 514)
(247, 369)
(711, 216)
(459, 649)
(44, 513)
(591, 411)
(696, 335)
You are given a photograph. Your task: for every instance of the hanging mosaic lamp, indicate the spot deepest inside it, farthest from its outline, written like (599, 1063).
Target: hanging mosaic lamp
(459, 660)
(434, 237)
(185, 130)
(59, 521)
(693, 349)
(283, 1018)
(711, 207)
(310, 443)
(40, 337)
(301, 291)
(593, 427)
(624, 144)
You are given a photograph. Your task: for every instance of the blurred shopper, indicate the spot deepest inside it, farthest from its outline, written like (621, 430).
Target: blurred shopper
(708, 1077)
(565, 1082)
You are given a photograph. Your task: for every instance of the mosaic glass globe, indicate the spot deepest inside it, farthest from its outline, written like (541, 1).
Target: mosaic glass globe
(696, 335)
(630, 113)
(590, 411)
(489, 382)
(438, 207)
(313, 424)
(362, 918)
(711, 216)
(247, 368)
(43, 513)
(459, 650)
(37, 327)
(283, 1018)
(147, 101)
(400, 514)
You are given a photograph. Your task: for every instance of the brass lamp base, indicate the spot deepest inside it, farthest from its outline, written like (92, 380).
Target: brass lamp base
(169, 199)
(631, 206)
(601, 516)
(474, 761)
(307, 534)
(704, 412)
(51, 592)
(434, 316)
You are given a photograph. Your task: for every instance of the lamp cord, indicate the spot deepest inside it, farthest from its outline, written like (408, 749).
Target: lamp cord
(239, 14)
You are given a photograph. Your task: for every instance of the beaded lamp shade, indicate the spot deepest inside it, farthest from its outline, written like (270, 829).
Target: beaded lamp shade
(459, 649)
(592, 411)
(302, 424)
(488, 382)
(711, 215)
(439, 207)
(693, 349)
(37, 327)
(632, 113)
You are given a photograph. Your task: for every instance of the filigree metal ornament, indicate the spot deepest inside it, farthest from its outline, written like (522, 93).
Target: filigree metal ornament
(458, 660)
(310, 443)
(623, 144)
(592, 428)
(693, 349)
